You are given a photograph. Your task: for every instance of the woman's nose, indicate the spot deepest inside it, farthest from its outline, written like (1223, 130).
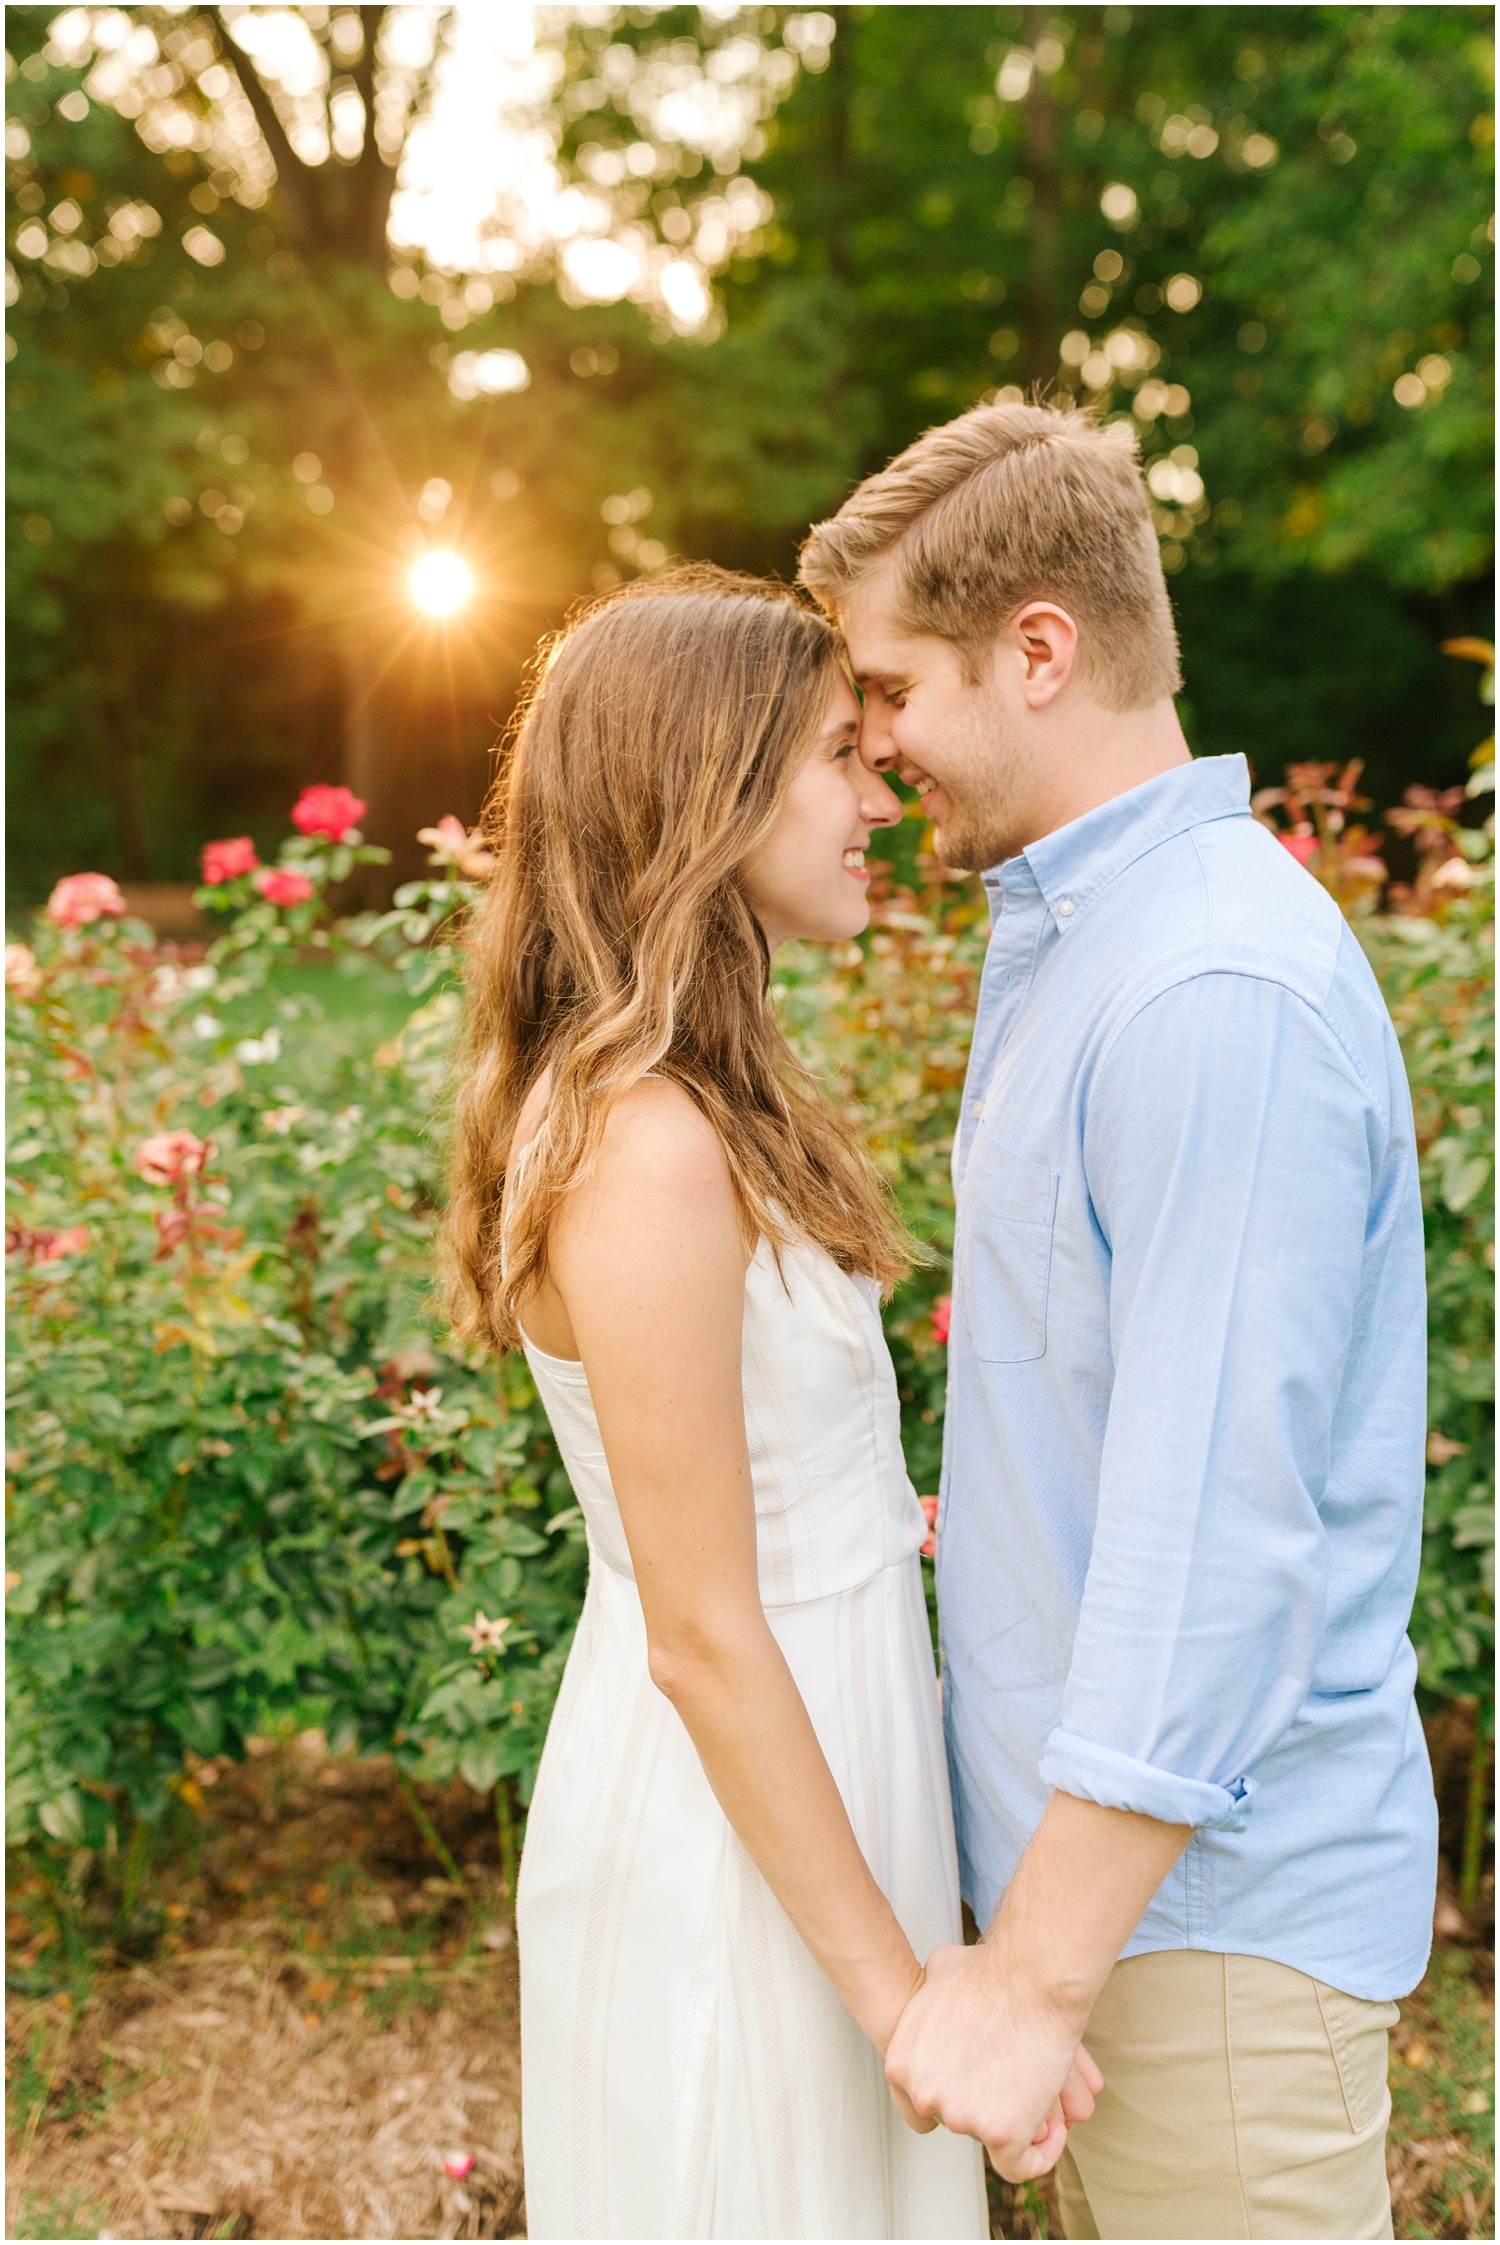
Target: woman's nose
(880, 804)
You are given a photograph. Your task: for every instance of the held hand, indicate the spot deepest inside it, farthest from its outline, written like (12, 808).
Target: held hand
(916, 2121)
(992, 2061)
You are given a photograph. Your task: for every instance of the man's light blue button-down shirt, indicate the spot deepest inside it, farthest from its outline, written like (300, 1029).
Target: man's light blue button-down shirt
(1182, 1485)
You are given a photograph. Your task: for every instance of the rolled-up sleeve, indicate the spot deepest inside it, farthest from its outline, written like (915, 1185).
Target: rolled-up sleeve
(1228, 1153)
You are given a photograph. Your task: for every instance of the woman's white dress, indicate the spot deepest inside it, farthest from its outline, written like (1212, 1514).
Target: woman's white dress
(687, 2070)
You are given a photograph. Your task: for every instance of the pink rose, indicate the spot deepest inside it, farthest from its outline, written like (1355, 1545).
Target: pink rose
(81, 898)
(1304, 847)
(59, 1244)
(458, 2164)
(21, 973)
(327, 810)
(171, 1156)
(44, 1245)
(930, 1512)
(226, 861)
(942, 1319)
(279, 886)
(452, 843)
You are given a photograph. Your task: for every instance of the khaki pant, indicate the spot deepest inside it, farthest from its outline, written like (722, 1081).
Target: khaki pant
(1241, 2099)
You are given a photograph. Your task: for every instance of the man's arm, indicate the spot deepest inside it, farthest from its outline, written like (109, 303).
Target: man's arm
(988, 2042)
(1228, 1153)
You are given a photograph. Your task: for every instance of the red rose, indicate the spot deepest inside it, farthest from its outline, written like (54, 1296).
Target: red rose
(1304, 847)
(942, 1319)
(226, 861)
(279, 886)
(333, 811)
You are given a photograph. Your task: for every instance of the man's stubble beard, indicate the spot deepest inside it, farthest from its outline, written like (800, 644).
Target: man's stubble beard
(986, 825)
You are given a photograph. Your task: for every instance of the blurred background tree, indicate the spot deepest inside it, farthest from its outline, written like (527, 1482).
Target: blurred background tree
(299, 293)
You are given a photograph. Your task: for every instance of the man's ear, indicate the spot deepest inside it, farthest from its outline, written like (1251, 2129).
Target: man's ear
(1045, 638)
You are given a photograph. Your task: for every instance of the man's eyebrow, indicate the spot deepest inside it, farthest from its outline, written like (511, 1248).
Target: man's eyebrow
(883, 678)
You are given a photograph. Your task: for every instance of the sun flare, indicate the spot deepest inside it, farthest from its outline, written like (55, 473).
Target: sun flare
(441, 583)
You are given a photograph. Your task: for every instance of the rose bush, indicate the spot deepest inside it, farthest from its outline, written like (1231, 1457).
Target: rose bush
(251, 1480)
(247, 1484)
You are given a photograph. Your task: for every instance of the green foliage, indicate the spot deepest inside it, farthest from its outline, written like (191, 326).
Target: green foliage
(1362, 257)
(194, 619)
(1438, 980)
(1274, 211)
(244, 1484)
(1443, 2097)
(253, 1484)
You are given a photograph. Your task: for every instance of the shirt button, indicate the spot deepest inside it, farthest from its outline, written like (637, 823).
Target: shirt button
(976, 1108)
(1065, 907)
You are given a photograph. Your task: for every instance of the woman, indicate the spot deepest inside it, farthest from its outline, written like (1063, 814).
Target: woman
(741, 1845)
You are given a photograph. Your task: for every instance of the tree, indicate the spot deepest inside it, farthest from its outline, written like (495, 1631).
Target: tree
(1247, 225)
(1260, 231)
(362, 429)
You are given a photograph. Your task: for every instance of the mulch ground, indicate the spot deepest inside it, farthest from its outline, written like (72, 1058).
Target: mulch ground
(323, 2022)
(314, 2035)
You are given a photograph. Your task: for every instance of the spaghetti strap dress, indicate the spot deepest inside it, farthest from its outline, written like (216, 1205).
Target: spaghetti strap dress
(687, 2069)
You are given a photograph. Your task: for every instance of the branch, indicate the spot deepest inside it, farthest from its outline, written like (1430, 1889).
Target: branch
(377, 179)
(424, 78)
(295, 178)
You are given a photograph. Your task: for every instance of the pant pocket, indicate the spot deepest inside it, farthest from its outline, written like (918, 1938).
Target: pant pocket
(1359, 2040)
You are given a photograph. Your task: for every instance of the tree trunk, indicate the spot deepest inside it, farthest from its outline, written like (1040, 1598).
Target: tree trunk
(120, 734)
(838, 200)
(1046, 203)
(334, 216)
(333, 213)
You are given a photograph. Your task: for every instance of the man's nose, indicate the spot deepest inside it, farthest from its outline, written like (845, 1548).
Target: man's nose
(876, 750)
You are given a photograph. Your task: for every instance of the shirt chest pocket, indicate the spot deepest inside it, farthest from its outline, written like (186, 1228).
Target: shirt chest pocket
(1005, 1252)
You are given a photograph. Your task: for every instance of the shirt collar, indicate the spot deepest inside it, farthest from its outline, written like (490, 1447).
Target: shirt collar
(1073, 863)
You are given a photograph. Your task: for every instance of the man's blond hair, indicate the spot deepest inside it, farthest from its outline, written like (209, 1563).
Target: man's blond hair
(1011, 503)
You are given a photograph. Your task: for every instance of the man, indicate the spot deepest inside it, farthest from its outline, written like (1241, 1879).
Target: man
(1182, 1487)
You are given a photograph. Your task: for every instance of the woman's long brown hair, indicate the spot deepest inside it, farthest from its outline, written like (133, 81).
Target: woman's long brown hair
(662, 728)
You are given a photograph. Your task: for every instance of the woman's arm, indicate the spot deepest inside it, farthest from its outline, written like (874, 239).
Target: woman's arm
(649, 1259)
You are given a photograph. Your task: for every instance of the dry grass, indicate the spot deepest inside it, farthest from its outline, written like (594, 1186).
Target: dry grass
(317, 2021)
(225, 2115)
(302, 2072)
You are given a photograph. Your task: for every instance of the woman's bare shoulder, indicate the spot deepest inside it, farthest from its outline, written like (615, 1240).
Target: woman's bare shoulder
(652, 1239)
(658, 1143)
(659, 1160)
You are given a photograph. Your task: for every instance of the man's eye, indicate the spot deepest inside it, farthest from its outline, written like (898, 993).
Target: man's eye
(897, 701)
